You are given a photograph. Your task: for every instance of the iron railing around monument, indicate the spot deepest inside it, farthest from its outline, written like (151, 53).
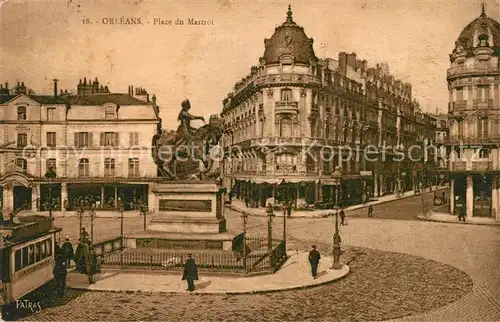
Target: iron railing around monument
(114, 255)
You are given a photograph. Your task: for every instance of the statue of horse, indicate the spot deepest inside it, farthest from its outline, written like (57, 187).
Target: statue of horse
(185, 153)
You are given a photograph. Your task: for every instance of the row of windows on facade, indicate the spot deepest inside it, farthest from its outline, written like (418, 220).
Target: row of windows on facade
(84, 139)
(84, 166)
(22, 115)
(482, 93)
(482, 128)
(287, 96)
(287, 130)
(482, 153)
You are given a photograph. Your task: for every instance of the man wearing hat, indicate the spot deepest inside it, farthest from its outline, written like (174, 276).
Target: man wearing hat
(190, 273)
(314, 258)
(67, 248)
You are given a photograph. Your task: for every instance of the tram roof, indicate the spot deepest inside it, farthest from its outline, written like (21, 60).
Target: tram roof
(28, 228)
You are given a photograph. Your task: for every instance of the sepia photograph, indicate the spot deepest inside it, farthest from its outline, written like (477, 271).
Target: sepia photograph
(235, 160)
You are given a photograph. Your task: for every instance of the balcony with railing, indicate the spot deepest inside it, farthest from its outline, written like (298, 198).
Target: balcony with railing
(456, 140)
(481, 165)
(286, 107)
(476, 70)
(458, 105)
(285, 141)
(456, 165)
(482, 105)
(475, 165)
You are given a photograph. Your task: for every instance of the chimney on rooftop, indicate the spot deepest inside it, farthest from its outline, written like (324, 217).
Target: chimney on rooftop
(55, 87)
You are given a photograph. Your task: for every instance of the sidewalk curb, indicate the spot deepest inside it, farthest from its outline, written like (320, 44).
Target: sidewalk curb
(421, 217)
(362, 206)
(301, 287)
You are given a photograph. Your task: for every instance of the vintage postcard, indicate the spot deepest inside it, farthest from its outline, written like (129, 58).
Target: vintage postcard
(235, 160)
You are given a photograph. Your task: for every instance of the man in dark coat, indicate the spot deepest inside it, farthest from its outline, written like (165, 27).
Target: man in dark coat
(68, 252)
(190, 273)
(59, 271)
(80, 257)
(314, 258)
(370, 211)
(84, 235)
(289, 208)
(342, 217)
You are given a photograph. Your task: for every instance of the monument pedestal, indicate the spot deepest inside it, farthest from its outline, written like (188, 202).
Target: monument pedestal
(188, 215)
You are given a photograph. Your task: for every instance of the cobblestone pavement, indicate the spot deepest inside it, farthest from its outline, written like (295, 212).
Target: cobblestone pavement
(382, 285)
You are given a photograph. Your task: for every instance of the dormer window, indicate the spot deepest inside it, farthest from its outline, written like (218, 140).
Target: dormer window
(483, 41)
(286, 95)
(110, 112)
(21, 113)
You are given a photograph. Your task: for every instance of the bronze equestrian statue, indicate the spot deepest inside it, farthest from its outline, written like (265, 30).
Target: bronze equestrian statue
(185, 141)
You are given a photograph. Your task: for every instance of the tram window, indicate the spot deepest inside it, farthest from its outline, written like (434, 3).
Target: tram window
(25, 256)
(49, 247)
(37, 252)
(42, 249)
(19, 262)
(31, 254)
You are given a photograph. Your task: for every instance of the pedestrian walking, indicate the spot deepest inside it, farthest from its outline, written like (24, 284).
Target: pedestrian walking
(84, 235)
(80, 257)
(67, 248)
(91, 263)
(342, 217)
(230, 196)
(190, 273)
(247, 202)
(314, 258)
(289, 208)
(370, 211)
(60, 271)
(461, 214)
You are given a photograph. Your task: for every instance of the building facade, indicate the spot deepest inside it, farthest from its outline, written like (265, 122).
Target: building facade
(475, 119)
(442, 133)
(296, 117)
(98, 143)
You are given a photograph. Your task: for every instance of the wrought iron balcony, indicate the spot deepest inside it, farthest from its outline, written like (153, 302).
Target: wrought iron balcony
(459, 105)
(455, 140)
(483, 105)
(458, 165)
(287, 107)
(482, 165)
(465, 71)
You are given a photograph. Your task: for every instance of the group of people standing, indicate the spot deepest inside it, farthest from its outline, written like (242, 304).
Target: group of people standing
(84, 257)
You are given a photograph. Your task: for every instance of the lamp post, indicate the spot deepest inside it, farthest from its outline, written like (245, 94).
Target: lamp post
(121, 231)
(422, 178)
(92, 216)
(337, 176)
(50, 175)
(244, 216)
(80, 216)
(144, 213)
(270, 215)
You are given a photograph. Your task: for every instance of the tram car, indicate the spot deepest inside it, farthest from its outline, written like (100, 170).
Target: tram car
(27, 252)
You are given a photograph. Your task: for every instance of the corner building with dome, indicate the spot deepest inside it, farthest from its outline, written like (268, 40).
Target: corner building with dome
(474, 118)
(296, 117)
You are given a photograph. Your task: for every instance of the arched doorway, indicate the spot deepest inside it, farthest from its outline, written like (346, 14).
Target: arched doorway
(16, 191)
(22, 197)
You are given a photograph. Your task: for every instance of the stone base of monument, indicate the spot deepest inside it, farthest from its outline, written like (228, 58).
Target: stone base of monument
(188, 215)
(179, 241)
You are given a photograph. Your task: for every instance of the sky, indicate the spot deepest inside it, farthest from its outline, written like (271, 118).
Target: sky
(42, 40)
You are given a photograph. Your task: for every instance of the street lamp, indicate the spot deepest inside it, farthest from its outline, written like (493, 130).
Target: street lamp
(270, 215)
(50, 175)
(244, 216)
(144, 212)
(336, 176)
(421, 140)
